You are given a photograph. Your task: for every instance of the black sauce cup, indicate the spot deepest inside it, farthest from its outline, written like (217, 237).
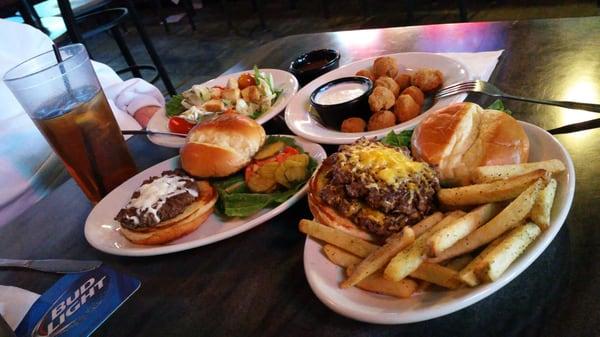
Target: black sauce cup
(332, 115)
(313, 64)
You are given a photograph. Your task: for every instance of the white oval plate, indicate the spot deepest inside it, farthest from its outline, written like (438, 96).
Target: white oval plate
(298, 113)
(283, 80)
(324, 277)
(102, 231)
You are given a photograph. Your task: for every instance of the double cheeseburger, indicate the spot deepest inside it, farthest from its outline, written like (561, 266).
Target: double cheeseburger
(165, 208)
(372, 190)
(463, 136)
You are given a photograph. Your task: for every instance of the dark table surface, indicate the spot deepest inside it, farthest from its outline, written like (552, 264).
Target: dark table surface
(253, 284)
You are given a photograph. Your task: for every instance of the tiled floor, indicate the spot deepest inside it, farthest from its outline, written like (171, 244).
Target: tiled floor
(195, 56)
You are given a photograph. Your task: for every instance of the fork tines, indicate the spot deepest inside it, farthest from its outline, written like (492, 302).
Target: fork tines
(456, 88)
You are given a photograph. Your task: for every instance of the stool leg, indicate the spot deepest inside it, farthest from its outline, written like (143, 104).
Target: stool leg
(30, 16)
(151, 51)
(125, 51)
(189, 9)
(159, 12)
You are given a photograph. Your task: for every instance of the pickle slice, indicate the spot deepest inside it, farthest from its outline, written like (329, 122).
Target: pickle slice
(297, 160)
(268, 170)
(260, 184)
(297, 173)
(269, 150)
(280, 176)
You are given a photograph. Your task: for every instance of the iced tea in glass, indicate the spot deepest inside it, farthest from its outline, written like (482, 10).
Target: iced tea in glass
(66, 103)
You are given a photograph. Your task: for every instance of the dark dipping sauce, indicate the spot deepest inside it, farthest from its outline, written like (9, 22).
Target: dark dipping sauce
(313, 65)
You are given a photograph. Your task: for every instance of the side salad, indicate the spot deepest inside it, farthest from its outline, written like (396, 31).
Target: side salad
(251, 94)
(276, 173)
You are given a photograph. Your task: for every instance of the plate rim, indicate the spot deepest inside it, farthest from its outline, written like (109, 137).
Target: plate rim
(154, 250)
(479, 293)
(338, 138)
(260, 120)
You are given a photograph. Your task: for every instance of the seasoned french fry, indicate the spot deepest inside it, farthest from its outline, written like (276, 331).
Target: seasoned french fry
(339, 256)
(510, 217)
(376, 283)
(458, 229)
(436, 274)
(489, 192)
(486, 174)
(507, 251)
(409, 259)
(540, 213)
(378, 258)
(423, 225)
(337, 237)
(457, 264)
(467, 274)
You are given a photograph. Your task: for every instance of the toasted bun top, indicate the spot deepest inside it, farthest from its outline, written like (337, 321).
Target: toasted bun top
(463, 136)
(221, 146)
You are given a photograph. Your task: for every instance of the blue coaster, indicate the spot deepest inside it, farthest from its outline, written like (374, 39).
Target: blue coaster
(78, 304)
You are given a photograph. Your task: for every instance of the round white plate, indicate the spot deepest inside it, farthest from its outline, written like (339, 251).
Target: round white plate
(102, 231)
(283, 80)
(298, 113)
(324, 277)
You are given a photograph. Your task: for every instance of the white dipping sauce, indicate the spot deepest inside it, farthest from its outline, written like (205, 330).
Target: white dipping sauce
(340, 93)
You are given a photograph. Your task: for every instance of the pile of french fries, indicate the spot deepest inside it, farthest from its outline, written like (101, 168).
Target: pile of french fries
(491, 224)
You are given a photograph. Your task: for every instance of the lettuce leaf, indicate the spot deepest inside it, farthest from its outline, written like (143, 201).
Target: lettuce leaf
(398, 139)
(174, 107)
(499, 105)
(236, 200)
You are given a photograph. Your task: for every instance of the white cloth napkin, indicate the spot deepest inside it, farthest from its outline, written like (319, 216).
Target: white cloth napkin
(480, 65)
(14, 304)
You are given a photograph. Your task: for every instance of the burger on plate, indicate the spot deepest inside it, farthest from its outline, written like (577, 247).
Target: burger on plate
(372, 190)
(221, 146)
(463, 136)
(165, 208)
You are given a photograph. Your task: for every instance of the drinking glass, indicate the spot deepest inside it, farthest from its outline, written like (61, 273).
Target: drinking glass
(66, 103)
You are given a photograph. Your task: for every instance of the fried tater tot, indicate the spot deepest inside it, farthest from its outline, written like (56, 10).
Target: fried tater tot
(385, 66)
(381, 120)
(403, 81)
(406, 108)
(427, 79)
(381, 98)
(366, 73)
(353, 124)
(389, 83)
(415, 93)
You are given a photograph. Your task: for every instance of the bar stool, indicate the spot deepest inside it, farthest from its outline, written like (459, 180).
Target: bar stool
(190, 12)
(109, 20)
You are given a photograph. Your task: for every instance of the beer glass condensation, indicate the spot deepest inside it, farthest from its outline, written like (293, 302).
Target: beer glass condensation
(67, 104)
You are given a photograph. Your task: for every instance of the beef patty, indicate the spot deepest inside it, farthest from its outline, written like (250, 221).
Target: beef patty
(380, 188)
(158, 199)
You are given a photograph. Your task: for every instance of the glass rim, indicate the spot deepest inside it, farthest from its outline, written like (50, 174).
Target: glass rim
(8, 78)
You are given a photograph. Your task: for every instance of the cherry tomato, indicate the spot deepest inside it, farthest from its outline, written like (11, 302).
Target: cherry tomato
(180, 125)
(245, 80)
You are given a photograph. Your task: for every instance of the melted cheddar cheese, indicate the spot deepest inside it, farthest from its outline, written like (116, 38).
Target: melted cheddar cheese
(388, 165)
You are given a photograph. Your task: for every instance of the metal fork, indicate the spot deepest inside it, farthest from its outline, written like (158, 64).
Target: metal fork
(491, 90)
